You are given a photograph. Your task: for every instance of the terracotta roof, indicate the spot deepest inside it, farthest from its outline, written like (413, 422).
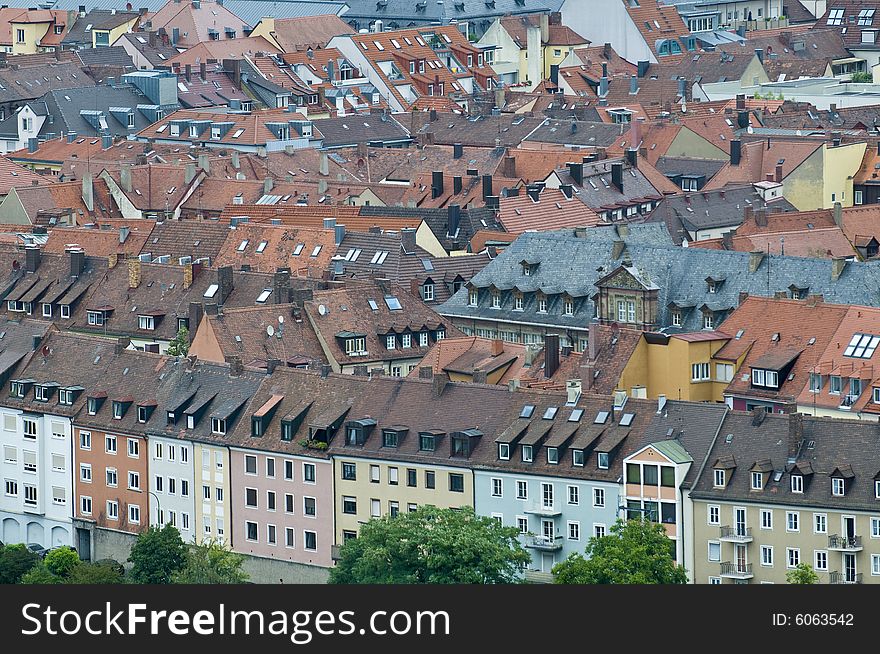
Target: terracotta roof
(195, 24)
(613, 349)
(484, 237)
(656, 21)
(553, 210)
(155, 187)
(299, 34)
(265, 248)
(250, 127)
(101, 242)
(466, 354)
(222, 49)
(516, 27)
(13, 175)
(305, 216)
(760, 159)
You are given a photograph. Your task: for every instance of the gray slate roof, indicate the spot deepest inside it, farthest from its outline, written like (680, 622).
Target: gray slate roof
(576, 132)
(81, 32)
(348, 131)
(112, 56)
(573, 264)
(34, 81)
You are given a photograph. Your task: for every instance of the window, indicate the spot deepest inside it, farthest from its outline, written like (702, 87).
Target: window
(820, 523)
(392, 476)
(604, 460)
(723, 372)
(250, 464)
(29, 428)
(542, 304)
(699, 372)
(547, 495)
(504, 451)
(134, 480)
(714, 551)
(349, 471)
(219, 494)
(577, 458)
(309, 506)
(288, 470)
(429, 479)
(288, 503)
(552, 455)
(133, 448)
(714, 515)
(757, 480)
(821, 560)
(375, 508)
(497, 487)
(794, 556)
(289, 537)
(147, 323)
(270, 467)
(12, 487)
(349, 505)
(472, 298)
(599, 497)
(527, 453)
(374, 474)
(573, 495)
(707, 321)
(311, 540)
(837, 486)
(522, 523)
(456, 482)
(599, 531)
(766, 519)
(574, 531)
(218, 426)
(19, 38)
(423, 339)
(792, 521)
(85, 440)
(184, 488)
(718, 479)
(158, 483)
(767, 556)
(110, 444)
(797, 484)
(85, 472)
(411, 476)
(522, 490)
(85, 503)
(390, 341)
(676, 318)
(134, 514)
(251, 531)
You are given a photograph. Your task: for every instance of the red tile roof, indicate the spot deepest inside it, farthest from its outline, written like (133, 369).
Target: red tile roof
(553, 210)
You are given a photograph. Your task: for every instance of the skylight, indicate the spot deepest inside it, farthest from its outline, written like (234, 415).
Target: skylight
(262, 297)
(527, 411)
(242, 246)
(550, 413)
(601, 417)
(576, 415)
(626, 419)
(298, 249)
(373, 305)
(212, 290)
(316, 251)
(393, 303)
(379, 257)
(238, 133)
(862, 346)
(262, 246)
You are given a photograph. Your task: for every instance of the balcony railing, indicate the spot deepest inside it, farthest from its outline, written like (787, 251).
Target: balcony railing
(845, 543)
(546, 543)
(736, 534)
(844, 578)
(543, 508)
(736, 570)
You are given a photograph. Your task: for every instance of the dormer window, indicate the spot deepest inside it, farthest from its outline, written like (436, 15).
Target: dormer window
(427, 442)
(719, 478)
(95, 318)
(542, 303)
(553, 455)
(390, 438)
(145, 411)
(797, 484)
(119, 409)
(527, 453)
(711, 286)
(757, 481)
(568, 307)
(708, 321)
(877, 489)
(838, 486)
(504, 451)
(67, 396)
(517, 301)
(472, 298)
(676, 318)
(147, 322)
(496, 300)
(93, 405)
(357, 431)
(463, 443)
(218, 426)
(603, 459)
(17, 389)
(41, 393)
(390, 342)
(577, 458)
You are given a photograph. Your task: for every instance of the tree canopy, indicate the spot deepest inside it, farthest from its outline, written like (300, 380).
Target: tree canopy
(633, 552)
(802, 574)
(15, 561)
(211, 563)
(432, 546)
(157, 554)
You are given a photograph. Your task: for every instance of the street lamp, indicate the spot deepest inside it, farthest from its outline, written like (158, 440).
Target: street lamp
(158, 509)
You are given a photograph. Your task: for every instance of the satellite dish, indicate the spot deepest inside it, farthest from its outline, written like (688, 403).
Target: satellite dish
(322, 310)
(270, 330)
(280, 320)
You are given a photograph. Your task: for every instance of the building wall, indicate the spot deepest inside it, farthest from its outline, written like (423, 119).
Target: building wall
(363, 490)
(837, 413)
(510, 509)
(690, 144)
(205, 344)
(552, 59)
(33, 34)
(804, 186)
(170, 459)
(779, 538)
(100, 460)
(600, 21)
(117, 32)
(841, 165)
(321, 491)
(212, 509)
(48, 522)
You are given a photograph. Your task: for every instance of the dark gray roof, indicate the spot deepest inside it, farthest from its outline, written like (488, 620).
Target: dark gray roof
(823, 445)
(399, 14)
(81, 32)
(112, 56)
(449, 128)
(701, 210)
(689, 424)
(597, 191)
(672, 166)
(348, 131)
(577, 132)
(573, 264)
(470, 221)
(32, 82)
(140, 41)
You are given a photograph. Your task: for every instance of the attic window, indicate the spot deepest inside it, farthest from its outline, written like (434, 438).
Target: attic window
(576, 415)
(601, 418)
(212, 291)
(316, 251)
(242, 246)
(527, 411)
(719, 477)
(862, 346)
(264, 295)
(298, 249)
(797, 484)
(393, 303)
(835, 16)
(237, 133)
(550, 413)
(262, 246)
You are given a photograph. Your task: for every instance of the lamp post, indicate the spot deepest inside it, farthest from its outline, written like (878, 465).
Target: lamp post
(158, 509)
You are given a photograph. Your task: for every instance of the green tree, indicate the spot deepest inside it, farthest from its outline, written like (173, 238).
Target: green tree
(432, 546)
(862, 78)
(802, 574)
(211, 563)
(157, 554)
(15, 561)
(40, 574)
(96, 573)
(62, 561)
(634, 552)
(179, 345)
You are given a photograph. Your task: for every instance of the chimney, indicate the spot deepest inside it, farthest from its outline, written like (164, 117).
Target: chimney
(453, 217)
(618, 247)
(551, 355)
(32, 258)
(633, 84)
(554, 74)
(134, 273)
(324, 164)
(838, 265)
(187, 275)
(838, 215)
(761, 217)
(577, 173)
(125, 177)
(195, 313)
(267, 185)
(121, 344)
(71, 137)
(759, 53)
(188, 69)
(106, 141)
(742, 119)
(281, 285)
(748, 213)
(432, 115)
(408, 239)
(436, 183)
(617, 175)
(487, 186)
(456, 184)
(189, 172)
(743, 296)
(77, 262)
(795, 434)
(33, 144)
(778, 179)
(439, 383)
(457, 150)
(508, 167)
(236, 71)
(534, 192)
(204, 163)
(632, 156)
(567, 190)
(123, 233)
(682, 88)
(211, 309)
(236, 367)
(735, 152)
(88, 192)
(426, 372)
(225, 282)
(480, 376)
(643, 68)
(755, 259)
(727, 240)
(497, 347)
(741, 102)
(235, 160)
(661, 403)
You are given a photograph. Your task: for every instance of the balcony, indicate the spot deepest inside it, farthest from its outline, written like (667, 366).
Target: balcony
(845, 543)
(847, 401)
(736, 570)
(543, 509)
(844, 578)
(736, 534)
(335, 552)
(544, 543)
